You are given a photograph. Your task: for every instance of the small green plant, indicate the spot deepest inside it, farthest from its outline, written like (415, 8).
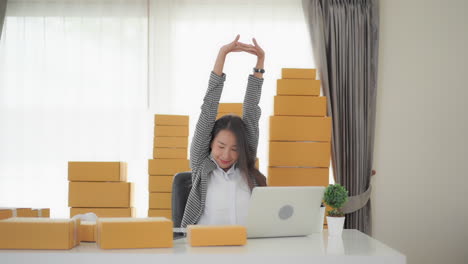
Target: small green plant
(335, 196)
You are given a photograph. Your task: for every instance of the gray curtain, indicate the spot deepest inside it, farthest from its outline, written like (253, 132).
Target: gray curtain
(344, 37)
(3, 4)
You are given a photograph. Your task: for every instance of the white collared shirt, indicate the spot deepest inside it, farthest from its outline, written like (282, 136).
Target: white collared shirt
(227, 198)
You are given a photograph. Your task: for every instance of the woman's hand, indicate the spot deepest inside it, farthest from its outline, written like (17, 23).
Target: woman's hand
(253, 49)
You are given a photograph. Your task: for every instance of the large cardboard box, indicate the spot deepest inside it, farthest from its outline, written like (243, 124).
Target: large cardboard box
(170, 153)
(294, 73)
(171, 131)
(300, 106)
(160, 183)
(87, 231)
(297, 87)
(167, 166)
(232, 235)
(299, 154)
(160, 213)
(97, 171)
(160, 200)
(100, 194)
(38, 233)
(171, 120)
(104, 212)
(6, 213)
(230, 108)
(170, 142)
(300, 128)
(115, 233)
(298, 176)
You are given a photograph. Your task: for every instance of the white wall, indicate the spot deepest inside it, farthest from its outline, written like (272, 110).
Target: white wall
(420, 190)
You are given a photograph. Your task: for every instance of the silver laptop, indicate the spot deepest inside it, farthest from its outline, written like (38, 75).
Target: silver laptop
(284, 211)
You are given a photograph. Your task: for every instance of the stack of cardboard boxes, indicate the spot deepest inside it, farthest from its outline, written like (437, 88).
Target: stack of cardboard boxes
(300, 132)
(100, 188)
(169, 158)
(24, 212)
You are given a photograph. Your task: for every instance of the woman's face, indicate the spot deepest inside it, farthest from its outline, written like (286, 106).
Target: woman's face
(224, 149)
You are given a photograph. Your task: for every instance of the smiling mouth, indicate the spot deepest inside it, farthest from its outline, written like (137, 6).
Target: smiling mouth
(225, 162)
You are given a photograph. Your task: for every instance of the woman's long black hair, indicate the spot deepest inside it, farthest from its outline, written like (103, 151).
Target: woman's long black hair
(246, 159)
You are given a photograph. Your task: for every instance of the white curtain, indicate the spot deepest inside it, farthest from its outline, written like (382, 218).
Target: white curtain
(73, 86)
(185, 37)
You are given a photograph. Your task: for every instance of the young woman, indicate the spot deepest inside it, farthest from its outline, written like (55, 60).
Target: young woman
(223, 151)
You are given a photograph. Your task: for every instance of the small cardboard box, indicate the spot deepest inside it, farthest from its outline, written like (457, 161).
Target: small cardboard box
(170, 142)
(171, 131)
(104, 212)
(299, 154)
(160, 183)
(6, 213)
(230, 108)
(153, 232)
(167, 166)
(170, 153)
(171, 120)
(292, 73)
(297, 87)
(160, 200)
(160, 213)
(300, 106)
(87, 231)
(100, 194)
(232, 235)
(41, 212)
(38, 233)
(25, 212)
(298, 176)
(97, 171)
(300, 128)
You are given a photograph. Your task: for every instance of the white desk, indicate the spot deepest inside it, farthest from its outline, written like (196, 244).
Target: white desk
(354, 247)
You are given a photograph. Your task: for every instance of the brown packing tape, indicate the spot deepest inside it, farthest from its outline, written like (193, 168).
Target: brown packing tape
(170, 153)
(300, 128)
(104, 212)
(97, 171)
(300, 106)
(299, 154)
(171, 120)
(171, 131)
(294, 73)
(160, 200)
(298, 176)
(298, 87)
(167, 166)
(120, 233)
(100, 194)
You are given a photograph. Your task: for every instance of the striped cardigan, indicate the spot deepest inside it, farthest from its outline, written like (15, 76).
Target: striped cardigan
(200, 161)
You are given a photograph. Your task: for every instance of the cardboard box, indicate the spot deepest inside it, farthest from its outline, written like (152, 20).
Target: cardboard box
(298, 176)
(87, 231)
(170, 142)
(6, 213)
(160, 200)
(104, 212)
(97, 171)
(223, 114)
(160, 213)
(167, 166)
(300, 106)
(100, 194)
(299, 154)
(171, 120)
(171, 131)
(297, 87)
(232, 235)
(160, 183)
(230, 108)
(38, 233)
(291, 73)
(154, 232)
(41, 212)
(170, 153)
(300, 128)
(25, 212)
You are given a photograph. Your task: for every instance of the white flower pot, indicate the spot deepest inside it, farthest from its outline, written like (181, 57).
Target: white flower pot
(335, 225)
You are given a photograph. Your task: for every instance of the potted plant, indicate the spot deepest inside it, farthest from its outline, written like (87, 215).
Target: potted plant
(335, 196)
